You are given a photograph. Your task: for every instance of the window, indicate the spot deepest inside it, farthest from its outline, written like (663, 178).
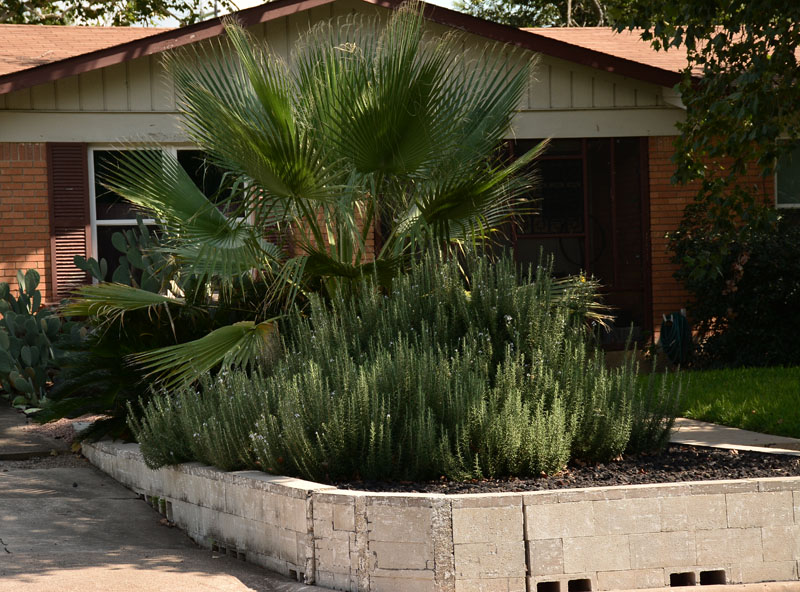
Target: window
(110, 213)
(787, 179)
(592, 200)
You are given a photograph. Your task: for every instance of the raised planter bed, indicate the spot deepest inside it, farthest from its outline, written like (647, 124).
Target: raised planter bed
(574, 540)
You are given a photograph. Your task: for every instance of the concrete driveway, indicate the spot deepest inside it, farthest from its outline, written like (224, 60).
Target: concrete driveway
(73, 528)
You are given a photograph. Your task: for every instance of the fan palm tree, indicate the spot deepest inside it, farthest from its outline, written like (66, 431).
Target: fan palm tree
(371, 144)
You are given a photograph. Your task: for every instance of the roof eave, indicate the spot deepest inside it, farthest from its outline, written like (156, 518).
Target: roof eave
(280, 8)
(150, 45)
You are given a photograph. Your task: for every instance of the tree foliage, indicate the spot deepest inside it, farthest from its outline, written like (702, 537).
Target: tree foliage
(109, 12)
(368, 147)
(538, 13)
(740, 85)
(741, 89)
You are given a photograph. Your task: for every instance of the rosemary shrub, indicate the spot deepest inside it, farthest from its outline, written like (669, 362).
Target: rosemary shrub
(464, 370)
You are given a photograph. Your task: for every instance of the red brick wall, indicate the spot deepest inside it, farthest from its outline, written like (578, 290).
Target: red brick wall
(24, 212)
(666, 210)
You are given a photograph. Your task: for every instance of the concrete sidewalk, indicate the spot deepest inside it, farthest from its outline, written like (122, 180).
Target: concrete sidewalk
(701, 433)
(69, 527)
(18, 444)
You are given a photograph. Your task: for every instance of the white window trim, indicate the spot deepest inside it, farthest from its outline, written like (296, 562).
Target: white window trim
(93, 221)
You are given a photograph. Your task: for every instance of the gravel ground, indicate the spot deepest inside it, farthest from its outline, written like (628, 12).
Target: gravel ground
(676, 463)
(61, 429)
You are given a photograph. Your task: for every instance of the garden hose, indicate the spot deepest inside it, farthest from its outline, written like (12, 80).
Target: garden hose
(676, 337)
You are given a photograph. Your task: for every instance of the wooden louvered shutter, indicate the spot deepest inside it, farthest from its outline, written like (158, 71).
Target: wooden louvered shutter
(70, 226)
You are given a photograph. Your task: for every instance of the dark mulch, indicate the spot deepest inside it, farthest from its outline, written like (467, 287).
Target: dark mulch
(676, 463)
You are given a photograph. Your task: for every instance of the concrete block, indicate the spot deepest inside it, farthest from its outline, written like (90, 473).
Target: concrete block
(291, 487)
(592, 494)
(255, 504)
(337, 496)
(344, 517)
(746, 510)
(396, 583)
(726, 486)
(290, 513)
(559, 520)
(546, 557)
(659, 490)
(402, 555)
(333, 556)
(779, 484)
(402, 500)
(334, 581)
(781, 543)
(487, 524)
(693, 512)
(195, 488)
(234, 530)
(485, 500)
(627, 516)
(491, 585)
(630, 579)
(323, 519)
(596, 553)
(728, 545)
(533, 581)
(489, 560)
(773, 571)
(662, 549)
(538, 498)
(202, 521)
(401, 524)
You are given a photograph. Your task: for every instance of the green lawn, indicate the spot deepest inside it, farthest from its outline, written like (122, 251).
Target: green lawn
(760, 399)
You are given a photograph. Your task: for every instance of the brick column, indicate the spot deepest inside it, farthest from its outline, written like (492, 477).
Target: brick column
(24, 212)
(667, 202)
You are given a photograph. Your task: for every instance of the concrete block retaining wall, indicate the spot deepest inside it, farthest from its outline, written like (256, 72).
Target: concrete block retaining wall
(605, 538)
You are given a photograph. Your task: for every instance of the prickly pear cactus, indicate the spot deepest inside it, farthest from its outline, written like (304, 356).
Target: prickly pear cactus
(141, 264)
(27, 333)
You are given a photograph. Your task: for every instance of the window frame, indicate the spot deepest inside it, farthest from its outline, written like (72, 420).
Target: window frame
(171, 148)
(778, 205)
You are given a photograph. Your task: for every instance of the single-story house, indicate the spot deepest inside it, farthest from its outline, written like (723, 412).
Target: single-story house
(68, 95)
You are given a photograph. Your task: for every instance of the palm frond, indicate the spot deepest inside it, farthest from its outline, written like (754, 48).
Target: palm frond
(208, 242)
(240, 344)
(108, 302)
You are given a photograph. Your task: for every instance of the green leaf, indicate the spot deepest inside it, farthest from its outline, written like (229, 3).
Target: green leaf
(6, 362)
(26, 355)
(234, 345)
(21, 384)
(108, 301)
(31, 280)
(119, 242)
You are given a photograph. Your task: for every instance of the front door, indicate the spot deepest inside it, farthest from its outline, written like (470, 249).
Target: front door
(591, 217)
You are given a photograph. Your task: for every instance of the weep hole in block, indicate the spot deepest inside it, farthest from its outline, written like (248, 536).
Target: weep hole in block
(682, 579)
(712, 577)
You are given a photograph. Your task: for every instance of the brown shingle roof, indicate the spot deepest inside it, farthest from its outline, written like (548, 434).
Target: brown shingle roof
(27, 46)
(19, 74)
(626, 45)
